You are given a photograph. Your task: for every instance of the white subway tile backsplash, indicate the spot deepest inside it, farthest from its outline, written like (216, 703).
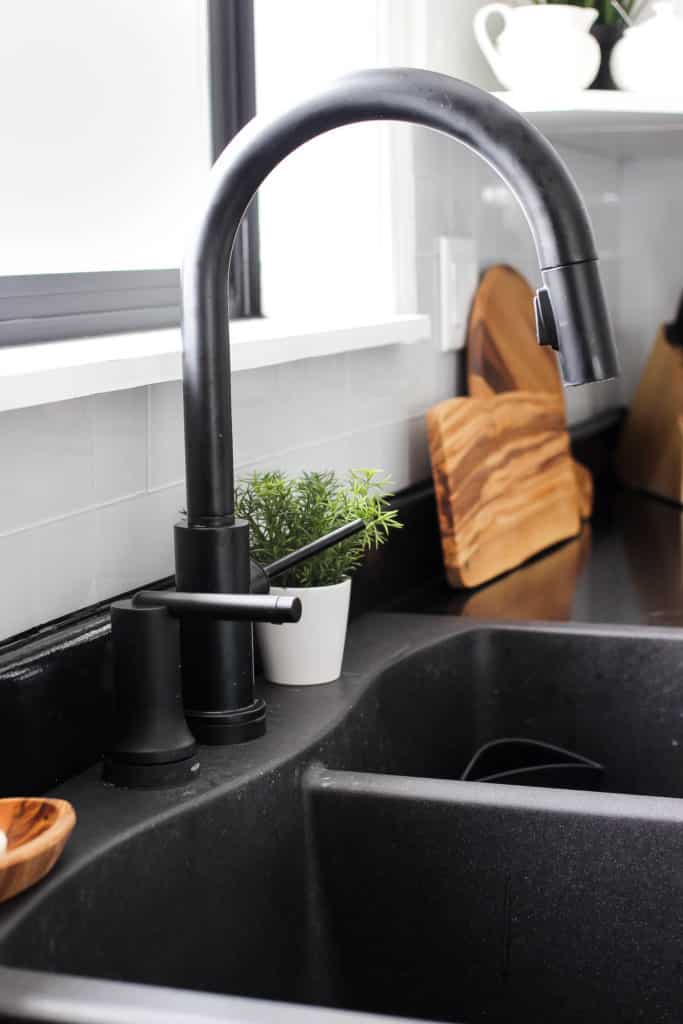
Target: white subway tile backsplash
(19, 604)
(256, 414)
(399, 449)
(119, 443)
(135, 540)
(65, 565)
(311, 402)
(53, 569)
(377, 385)
(445, 374)
(165, 434)
(332, 454)
(398, 383)
(46, 463)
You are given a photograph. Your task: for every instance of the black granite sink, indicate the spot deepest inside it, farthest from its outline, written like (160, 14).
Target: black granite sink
(614, 697)
(339, 862)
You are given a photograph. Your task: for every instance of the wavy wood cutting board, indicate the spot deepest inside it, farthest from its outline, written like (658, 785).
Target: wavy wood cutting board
(545, 590)
(504, 355)
(502, 351)
(504, 481)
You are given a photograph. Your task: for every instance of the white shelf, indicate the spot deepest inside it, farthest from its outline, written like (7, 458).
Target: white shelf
(605, 121)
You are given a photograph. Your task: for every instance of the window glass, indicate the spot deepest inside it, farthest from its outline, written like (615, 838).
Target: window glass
(325, 214)
(105, 139)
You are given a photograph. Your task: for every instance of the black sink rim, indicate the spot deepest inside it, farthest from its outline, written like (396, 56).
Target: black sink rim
(377, 643)
(384, 639)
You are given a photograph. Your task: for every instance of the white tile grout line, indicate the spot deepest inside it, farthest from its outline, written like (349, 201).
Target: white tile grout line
(84, 510)
(345, 436)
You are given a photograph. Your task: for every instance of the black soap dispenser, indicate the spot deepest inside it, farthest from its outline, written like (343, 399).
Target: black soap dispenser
(154, 747)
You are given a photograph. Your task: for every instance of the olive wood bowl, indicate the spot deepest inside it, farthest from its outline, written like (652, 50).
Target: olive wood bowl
(37, 830)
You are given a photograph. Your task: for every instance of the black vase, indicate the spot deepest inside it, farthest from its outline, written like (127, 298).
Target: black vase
(607, 36)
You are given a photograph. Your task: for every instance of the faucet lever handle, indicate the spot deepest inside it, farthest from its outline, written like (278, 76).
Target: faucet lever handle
(229, 607)
(152, 745)
(315, 547)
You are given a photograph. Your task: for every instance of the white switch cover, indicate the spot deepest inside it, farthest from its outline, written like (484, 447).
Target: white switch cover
(457, 277)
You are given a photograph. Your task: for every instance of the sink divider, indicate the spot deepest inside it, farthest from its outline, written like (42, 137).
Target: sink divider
(467, 901)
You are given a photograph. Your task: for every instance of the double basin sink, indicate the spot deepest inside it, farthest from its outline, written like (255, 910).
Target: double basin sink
(340, 863)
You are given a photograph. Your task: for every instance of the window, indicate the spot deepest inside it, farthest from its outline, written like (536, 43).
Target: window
(111, 115)
(336, 216)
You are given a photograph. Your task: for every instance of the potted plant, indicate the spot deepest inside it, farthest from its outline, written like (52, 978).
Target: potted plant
(285, 513)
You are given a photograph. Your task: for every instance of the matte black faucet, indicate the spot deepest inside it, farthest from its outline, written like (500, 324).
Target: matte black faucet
(211, 546)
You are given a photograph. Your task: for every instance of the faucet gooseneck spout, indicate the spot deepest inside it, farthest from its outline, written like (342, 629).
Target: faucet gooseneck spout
(212, 549)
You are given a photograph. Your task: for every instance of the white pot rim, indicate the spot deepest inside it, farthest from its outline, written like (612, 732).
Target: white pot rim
(346, 582)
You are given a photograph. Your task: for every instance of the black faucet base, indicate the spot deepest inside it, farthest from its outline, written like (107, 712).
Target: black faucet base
(150, 776)
(217, 657)
(221, 728)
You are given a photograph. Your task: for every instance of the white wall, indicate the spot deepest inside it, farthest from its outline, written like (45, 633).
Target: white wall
(105, 136)
(325, 230)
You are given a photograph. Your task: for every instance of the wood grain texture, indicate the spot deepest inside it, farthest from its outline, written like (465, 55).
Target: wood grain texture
(37, 831)
(504, 480)
(650, 452)
(584, 489)
(545, 590)
(503, 353)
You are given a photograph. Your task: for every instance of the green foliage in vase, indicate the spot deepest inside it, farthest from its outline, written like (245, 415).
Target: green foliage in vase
(608, 13)
(284, 513)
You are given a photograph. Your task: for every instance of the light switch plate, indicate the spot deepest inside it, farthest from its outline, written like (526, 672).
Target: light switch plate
(457, 276)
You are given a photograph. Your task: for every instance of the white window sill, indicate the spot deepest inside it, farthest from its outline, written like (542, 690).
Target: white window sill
(59, 370)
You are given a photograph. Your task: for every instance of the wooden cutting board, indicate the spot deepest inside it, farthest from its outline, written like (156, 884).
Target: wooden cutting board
(504, 481)
(650, 453)
(503, 353)
(544, 590)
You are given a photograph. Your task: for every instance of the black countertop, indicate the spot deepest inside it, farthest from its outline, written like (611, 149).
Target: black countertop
(625, 567)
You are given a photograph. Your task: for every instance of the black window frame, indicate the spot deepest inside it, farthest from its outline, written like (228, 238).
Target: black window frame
(52, 307)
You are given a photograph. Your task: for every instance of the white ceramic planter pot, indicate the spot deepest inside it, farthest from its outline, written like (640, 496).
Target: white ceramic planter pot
(311, 650)
(544, 48)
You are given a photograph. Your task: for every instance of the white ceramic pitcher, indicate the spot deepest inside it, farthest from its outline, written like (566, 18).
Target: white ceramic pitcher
(544, 48)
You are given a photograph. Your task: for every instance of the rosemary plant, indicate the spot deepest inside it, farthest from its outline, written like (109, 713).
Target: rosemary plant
(284, 513)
